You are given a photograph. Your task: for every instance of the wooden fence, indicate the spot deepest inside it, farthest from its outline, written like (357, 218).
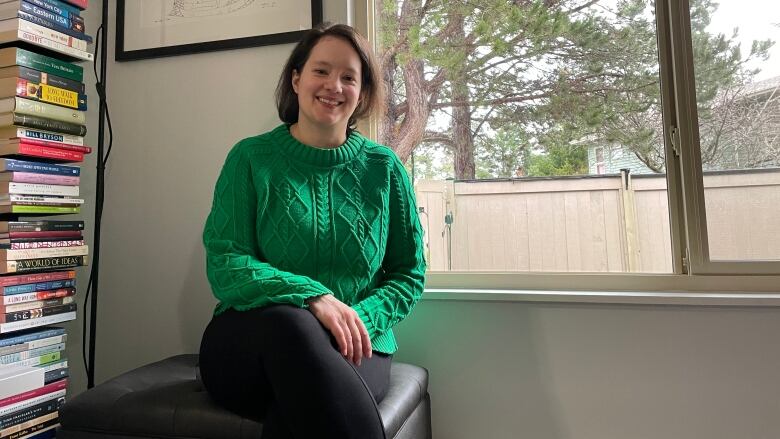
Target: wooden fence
(612, 223)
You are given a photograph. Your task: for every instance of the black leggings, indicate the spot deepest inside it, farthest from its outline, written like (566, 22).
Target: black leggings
(279, 364)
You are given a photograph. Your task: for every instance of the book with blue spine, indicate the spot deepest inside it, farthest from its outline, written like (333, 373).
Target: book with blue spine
(30, 335)
(62, 9)
(41, 21)
(41, 286)
(38, 167)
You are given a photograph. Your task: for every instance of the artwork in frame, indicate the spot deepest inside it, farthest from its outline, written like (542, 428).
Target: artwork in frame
(156, 28)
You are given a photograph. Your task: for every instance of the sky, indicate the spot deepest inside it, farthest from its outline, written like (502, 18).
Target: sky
(756, 20)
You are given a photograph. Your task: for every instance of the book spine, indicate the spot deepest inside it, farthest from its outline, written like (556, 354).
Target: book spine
(39, 201)
(79, 39)
(46, 244)
(49, 79)
(50, 94)
(5, 309)
(42, 189)
(61, 9)
(59, 364)
(49, 65)
(49, 111)
(57, 395)
(36, 178)
(49, 137)
(42, 17)
(59, 385)
(25, 429)
(19, 380)
(40, 168)
(55, 374)
(42, 210)
(55, 18)
(83, 149)
(49, 125)
(81, 4)
(44, 350)
(49, 432)
(45, 264)
(71, 228)
(43, 359)
(35, 26)
(33, 177)
(12, 299)
(38, 40)
(37, 335)
(50, 153)
(44, 233)
(40, 253)
(36, 277)
(33, 344)
(29, 413)
(34, 323)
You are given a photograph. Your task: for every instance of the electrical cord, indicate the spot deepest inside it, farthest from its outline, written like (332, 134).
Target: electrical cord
(99, 192)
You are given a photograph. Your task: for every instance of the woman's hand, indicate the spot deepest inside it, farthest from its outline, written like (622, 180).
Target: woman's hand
(345, 325)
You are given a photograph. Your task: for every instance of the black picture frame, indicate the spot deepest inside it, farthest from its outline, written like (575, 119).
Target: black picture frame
(209, 46)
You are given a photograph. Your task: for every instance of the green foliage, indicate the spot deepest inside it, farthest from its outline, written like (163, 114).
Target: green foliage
(540, 79)
(559, 161)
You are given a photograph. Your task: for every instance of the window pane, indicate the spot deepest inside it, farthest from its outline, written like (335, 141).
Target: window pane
(737, 68)
(533, 131)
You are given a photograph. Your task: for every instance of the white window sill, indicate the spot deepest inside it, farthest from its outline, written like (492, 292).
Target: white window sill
(606, 297)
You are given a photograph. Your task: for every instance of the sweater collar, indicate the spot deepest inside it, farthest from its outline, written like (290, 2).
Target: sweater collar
(318, 156)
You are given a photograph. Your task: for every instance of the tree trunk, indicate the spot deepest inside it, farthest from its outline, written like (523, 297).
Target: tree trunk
(462, 137)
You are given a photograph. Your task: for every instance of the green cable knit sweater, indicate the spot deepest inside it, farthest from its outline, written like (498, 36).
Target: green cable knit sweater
(290, 222)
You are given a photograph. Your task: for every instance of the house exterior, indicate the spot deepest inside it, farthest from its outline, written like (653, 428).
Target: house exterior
(748, 136)
(610, 159)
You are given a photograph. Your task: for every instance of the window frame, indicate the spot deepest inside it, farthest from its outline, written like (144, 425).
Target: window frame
(692, 268)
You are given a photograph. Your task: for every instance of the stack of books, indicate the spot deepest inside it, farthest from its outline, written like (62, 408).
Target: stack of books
(42, 127)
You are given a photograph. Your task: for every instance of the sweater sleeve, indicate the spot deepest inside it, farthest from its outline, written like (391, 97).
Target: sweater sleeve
(404, 261)
(238, 275)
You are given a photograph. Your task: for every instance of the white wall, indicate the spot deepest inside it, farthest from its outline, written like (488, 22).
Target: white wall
(555, 371)
(499, 370)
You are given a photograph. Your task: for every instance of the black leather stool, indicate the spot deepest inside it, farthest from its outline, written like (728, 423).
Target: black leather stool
(167, 400)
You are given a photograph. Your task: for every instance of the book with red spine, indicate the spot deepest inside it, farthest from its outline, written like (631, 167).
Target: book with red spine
(52, 387)
(35, 278)
(43, 234)
(43, 152)
(39, 142)
(81, 4)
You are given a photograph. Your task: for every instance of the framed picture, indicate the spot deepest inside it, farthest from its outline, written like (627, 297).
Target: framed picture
(156, 28)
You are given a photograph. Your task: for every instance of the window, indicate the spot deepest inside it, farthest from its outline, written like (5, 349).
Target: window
(739, 129)
(537, 133)
(600, 166)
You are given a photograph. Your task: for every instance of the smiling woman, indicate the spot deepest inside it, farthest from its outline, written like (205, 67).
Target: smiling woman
(314, 251)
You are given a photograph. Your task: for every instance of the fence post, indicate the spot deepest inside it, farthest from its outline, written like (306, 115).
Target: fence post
(630, 221)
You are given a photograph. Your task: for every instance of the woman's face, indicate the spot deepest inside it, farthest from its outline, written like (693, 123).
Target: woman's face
(328, 86)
